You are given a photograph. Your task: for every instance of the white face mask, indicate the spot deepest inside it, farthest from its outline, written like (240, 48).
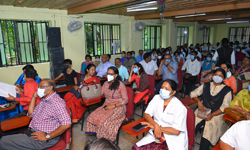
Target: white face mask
(229, 74)
(217, 79)
(159, 57)
(110, 78)
(40, 92)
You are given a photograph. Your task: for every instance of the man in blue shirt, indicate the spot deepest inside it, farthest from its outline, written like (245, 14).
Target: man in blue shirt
(168, 69)
(123, 71)
(21, 80)
(103, 66)
(140, 56)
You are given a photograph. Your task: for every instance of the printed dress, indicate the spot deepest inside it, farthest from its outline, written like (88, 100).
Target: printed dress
(105, 123)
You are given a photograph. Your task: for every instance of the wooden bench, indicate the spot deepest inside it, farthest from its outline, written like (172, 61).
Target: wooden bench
(15, 123)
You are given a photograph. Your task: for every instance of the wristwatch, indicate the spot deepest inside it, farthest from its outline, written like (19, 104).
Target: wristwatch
(47, 136)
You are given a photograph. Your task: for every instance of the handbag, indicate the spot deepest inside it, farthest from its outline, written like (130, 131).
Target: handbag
(236, 115)
(91, 92)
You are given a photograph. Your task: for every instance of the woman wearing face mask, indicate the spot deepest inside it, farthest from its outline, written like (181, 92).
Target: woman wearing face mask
(73, 98)
(208, 67)
(159, 58)
(84, 65)
(243, 72)
(105, 121)
(239, 55)
(142, 80)
(178, 59)
(216, 96)
(166, 116)
(230, 79)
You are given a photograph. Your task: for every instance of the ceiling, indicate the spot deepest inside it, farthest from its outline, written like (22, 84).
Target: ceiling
(235, 9)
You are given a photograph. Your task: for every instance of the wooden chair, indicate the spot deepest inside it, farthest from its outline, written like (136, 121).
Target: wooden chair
(187, 101)
(228, 118)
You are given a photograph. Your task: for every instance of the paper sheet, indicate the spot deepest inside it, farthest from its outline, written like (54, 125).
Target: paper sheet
(6, 89)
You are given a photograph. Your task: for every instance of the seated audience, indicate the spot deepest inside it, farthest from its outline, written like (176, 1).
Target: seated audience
(106, 120)
(208, 48)
(149, 65)
(216, 96)
(138, 75)
(101, 144)
(243, 72)
(168, 70)
(237, 136)
(166, 117)
(73, 98)
(129, 62)
(241, 101)
(30, 87)
(84, 65)
(20, 81)
(154, 54)
(103, 66)
(183, 52)
(50, 119)
(70, 74)
(199, 56)
(239, 54)
(159, 58)
(139, 58)
(97, 60)
(133, 55)
(208, 67)
(178, 59)
(123, 71)
(230, 79)
(191, 70)
(212, 53)
(123, 56)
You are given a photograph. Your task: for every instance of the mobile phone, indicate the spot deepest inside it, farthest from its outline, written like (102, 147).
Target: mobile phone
(138, 127)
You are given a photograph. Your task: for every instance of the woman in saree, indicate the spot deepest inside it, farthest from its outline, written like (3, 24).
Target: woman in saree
(73, 97)
(243, 72)
(105, 121)
(216, 96)
(208, 67)
(166, 117)
(84, 64)
(230, 80)
(241, 102)
(138, 75)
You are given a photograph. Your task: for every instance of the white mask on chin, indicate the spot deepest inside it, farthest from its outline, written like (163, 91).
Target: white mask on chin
(110, 78)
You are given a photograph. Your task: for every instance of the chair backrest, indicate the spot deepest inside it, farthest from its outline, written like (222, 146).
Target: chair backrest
(152, 86)
(130, 104)
(239, 85)
(190, 127)
(78, 75)
(179, 76)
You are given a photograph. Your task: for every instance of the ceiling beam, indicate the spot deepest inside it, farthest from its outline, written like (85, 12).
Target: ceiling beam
(226, 7)
(94, 5)
(199, 18)
(222, 21)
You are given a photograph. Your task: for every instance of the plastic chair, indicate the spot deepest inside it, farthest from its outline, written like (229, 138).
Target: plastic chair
(190, 128)
(129, 112)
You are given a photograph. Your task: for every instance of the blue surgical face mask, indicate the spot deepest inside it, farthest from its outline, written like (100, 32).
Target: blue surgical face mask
(165, 94)
(135, 70)
(249, 88)
(192, 57)
(209, 59)
(141, 53)
(167, 52)
(212, 53)
(97, 59)
(235, 45)
(168, 60)
(237, 50)
(133, 55)
(191, 46)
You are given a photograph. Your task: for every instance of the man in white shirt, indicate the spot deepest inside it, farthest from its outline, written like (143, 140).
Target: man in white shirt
(225, 54)
(237, 137)
(149, 65)
(103, 66)
(192, 67)
(218, 45)
(198, 54)
(208, 48)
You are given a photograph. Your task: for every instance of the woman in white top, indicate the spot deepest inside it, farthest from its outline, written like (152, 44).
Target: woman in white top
(166, 116)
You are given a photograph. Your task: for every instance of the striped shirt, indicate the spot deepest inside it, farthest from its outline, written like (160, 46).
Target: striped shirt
(49, 114)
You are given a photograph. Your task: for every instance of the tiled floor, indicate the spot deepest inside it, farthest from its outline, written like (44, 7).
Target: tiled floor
(126, 141)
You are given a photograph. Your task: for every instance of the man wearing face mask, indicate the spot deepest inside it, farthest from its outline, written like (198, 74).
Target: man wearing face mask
(49, 120)
(139, 58)
(208, 48)
(159, 58)
(70, 74)
(123, 72)
(192, 67)
(129, 62)
(133, 55)
(103, 66)
(168, 70)
(97, 60)
(30, 87)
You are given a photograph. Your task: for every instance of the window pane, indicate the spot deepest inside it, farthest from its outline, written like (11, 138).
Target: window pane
(151, 37)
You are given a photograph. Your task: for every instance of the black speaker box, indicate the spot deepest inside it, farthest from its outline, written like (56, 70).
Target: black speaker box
(54, 37)
(56, 61)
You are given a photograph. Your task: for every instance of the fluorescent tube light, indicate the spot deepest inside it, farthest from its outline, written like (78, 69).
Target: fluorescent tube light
(143, 5)
(218, 19)
(192, 15)
(142, 9)
(237, 21)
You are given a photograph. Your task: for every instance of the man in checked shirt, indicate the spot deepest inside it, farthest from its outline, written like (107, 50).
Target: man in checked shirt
(50, 120)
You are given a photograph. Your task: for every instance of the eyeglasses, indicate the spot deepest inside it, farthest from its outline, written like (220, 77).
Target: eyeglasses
(42, 87)
(110, 74)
